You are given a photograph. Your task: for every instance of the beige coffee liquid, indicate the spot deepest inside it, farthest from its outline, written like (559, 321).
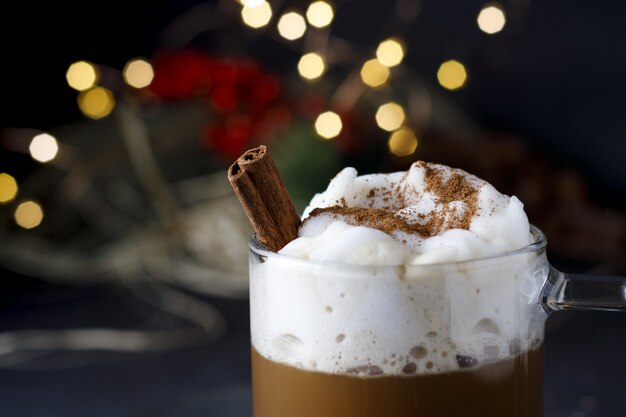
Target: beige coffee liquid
(506, 388)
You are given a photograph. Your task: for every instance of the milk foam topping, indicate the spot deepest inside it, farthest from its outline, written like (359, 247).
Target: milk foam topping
(373, 284)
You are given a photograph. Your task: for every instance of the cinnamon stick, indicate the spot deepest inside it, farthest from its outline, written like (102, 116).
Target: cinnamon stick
(263, 195)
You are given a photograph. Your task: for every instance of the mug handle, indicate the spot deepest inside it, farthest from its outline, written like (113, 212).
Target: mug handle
(583, 292)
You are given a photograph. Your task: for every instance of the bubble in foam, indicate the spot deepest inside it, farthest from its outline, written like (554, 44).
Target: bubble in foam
(466, 361)
(288, 345)
(418, 352)
(409, 369)
(486, 326)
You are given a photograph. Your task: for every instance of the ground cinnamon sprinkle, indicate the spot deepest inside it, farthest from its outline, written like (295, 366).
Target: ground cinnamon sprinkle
(446, 191)
(375, 218)
(456, 188)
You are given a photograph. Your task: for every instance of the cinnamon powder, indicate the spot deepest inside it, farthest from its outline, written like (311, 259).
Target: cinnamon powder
(445, 190)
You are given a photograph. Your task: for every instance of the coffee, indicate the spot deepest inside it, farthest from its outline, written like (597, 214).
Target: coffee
(506, 388)
(405, 294)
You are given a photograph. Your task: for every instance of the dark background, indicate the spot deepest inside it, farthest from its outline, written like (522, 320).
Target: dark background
(556, 76)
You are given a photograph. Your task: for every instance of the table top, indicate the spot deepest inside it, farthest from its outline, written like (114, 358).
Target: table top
(585, 362)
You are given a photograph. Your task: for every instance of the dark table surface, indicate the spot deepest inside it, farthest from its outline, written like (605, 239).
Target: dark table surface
(585, 361)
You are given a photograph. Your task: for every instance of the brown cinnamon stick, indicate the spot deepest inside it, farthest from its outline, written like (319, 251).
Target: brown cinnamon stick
(263, 195)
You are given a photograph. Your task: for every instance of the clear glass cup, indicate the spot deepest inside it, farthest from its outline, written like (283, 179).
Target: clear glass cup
(442, 340)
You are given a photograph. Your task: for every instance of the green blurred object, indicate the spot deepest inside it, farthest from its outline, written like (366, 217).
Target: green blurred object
(306, 162)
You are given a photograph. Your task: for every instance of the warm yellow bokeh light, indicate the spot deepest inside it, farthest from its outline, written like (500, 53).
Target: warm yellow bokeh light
(291, 26)
(390, 116)
(452, 75)
(328, 125)
(8, 188)
(491, 18)
(138, 73)
(82, 75)
(320, 14)
(43, 147)
(28, 214)
(374, 74)
(311, 66)
(258, 15)
(390, 52)
(96, 103)
(402, 142)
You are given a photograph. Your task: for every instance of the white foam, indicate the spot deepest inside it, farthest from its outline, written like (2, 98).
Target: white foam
(350, 299)
(498, 225)
(339, 318)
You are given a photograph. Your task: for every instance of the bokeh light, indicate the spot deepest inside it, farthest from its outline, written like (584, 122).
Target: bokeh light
(291, 26)
(328, 125)
(390, 116)
(402, 142)
(96, 103)
(311, 66)
(8, 188)
(390, 52)
(320, 14)
(374, 74)
(43, 147)
(491, 18)
(257, 15)
(138, 73)
(82, 75)
(452, 75)
(28, 214)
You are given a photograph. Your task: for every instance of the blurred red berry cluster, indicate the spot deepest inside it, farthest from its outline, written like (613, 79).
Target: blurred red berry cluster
(246, 103)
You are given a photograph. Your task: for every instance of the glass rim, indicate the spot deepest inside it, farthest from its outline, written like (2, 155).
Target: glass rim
(539, 242)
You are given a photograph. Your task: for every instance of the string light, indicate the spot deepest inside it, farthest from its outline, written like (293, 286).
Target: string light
(390, 116)
(320, 14)
(311, 66)
(491, 18)
(43, 147)
(390, 52)
(8, 188)
(452, 75)
(138, 73)
(82, 75)
(291, 26)
(96, 103)
(402, 142)
(328, 125)
(374, 74)
(28, 214)
(258, 15)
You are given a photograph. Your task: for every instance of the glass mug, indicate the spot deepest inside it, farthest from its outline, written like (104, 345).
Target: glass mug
(442, 340)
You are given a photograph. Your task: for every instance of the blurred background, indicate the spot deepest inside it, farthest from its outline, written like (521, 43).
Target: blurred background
(123, 252)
